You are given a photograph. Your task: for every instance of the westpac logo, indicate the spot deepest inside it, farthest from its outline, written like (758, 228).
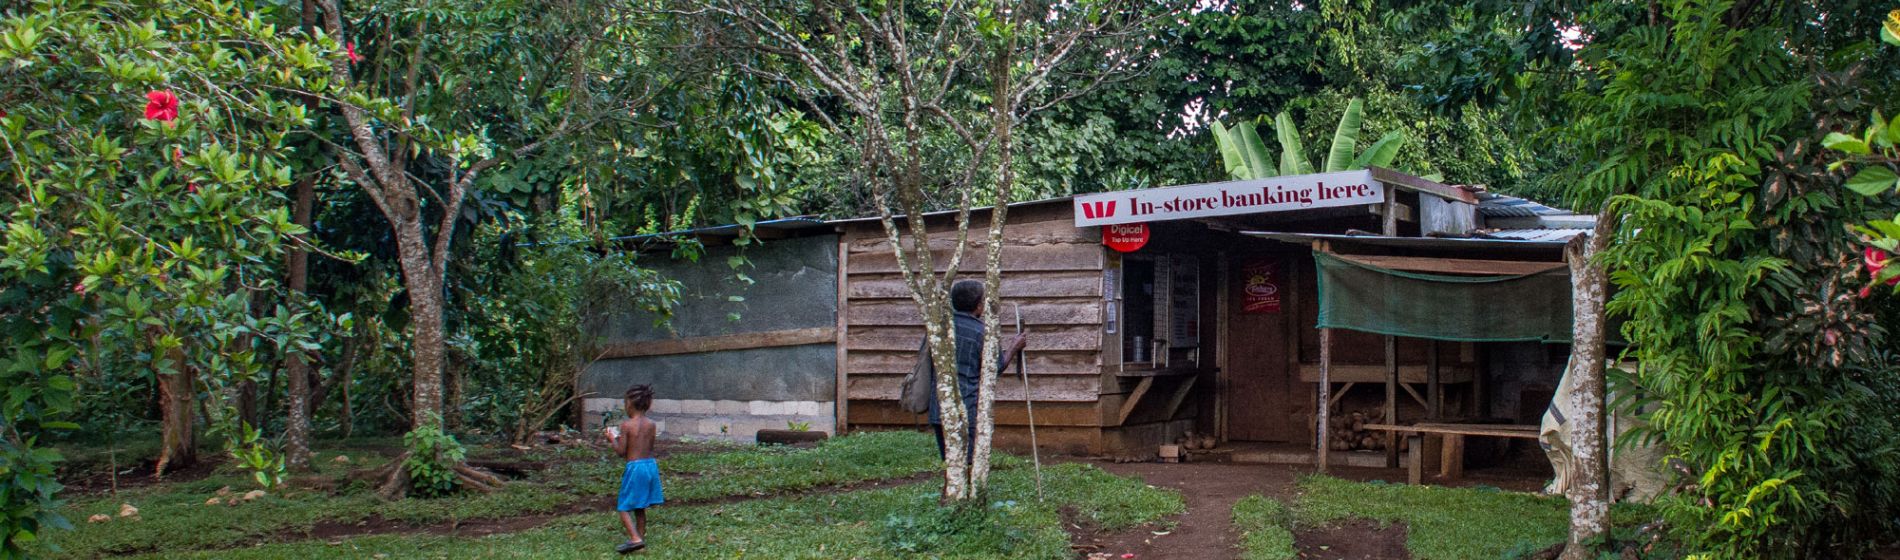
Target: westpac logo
(1098, 209)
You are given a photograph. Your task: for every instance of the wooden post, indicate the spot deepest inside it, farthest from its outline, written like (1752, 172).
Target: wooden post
(842, 406)
(1415, 463)
(1220, 347)
(1391, 401)
(1434, 388)
(1391, 229)
(1325, 387)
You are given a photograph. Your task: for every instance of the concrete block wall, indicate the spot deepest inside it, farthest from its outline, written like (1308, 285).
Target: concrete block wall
(732, 394)
(723, 419)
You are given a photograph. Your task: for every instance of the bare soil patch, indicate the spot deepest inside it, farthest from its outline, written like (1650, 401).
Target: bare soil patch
(1206, 529)
(133, 473)
(1356, 539)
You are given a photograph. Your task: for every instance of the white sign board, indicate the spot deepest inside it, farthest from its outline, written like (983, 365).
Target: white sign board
(1273, 194)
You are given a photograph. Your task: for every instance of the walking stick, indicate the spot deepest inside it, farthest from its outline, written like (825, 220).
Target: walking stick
(1035, 452)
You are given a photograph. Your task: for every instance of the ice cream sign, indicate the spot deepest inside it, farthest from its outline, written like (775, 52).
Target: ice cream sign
(1273, 194)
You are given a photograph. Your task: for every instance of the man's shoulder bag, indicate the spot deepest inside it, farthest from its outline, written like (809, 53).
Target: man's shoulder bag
(915, 393)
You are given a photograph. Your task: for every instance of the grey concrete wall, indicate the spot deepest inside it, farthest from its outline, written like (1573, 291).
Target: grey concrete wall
(794, 286)
(790, 373)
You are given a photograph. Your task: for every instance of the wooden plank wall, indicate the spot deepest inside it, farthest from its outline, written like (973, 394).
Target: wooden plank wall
(1051, 268)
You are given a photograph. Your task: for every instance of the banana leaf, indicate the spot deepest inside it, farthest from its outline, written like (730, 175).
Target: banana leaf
(1232, 161)
(1292, 153)
(1259, 160)
(1345, 137)
(1382, 152)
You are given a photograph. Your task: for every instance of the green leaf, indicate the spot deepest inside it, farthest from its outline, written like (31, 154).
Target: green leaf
(1872, 180)
(1844, 143)
(1382, 152)
(1345, 137)
(1259, 160)
(1232, 161)
(1292, 153)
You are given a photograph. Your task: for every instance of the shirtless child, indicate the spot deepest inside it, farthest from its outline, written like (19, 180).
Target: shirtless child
(640, 482)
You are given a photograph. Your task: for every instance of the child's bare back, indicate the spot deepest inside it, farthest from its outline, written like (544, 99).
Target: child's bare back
(636, 439)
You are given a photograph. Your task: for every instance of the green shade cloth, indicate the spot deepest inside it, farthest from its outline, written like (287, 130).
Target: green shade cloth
(1361, 297)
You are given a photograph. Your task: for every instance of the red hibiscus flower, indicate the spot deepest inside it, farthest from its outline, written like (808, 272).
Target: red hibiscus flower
(161, 106)
(349, 50)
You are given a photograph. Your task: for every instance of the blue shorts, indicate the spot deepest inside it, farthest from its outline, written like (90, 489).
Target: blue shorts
(640, 486)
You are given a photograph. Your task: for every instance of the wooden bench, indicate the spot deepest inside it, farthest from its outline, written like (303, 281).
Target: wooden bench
(1451, 462)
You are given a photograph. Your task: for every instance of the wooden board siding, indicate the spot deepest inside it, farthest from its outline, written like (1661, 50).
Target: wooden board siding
(1052, 269)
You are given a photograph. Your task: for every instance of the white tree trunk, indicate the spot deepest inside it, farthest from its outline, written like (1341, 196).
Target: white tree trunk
(1002, 114)
(1589, 492)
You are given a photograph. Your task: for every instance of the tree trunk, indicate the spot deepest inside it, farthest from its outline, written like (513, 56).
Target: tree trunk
(246, 402)
(297, 421)
(1002, 116)
(176, 393)
(453, 366)
(425, 316)
(1588, 493)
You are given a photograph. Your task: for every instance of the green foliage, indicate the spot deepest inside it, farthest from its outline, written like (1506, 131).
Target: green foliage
(431, 461)
(1265, 529)
(538, 296)
(137, 238)
(250, 452)
(1246, 157)
(1697, 128)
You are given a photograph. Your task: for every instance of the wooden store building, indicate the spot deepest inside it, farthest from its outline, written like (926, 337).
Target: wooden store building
(1200, 308)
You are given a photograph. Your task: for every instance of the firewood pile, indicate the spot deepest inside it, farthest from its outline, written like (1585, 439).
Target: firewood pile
(1347, 431)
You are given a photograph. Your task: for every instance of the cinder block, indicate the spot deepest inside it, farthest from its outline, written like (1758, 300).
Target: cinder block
(762, 408)
(697, 407)
(825, 409)
(600, 405)
(731, 408)
(665, 406)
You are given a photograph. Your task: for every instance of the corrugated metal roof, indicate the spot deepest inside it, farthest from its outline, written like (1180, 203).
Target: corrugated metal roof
(796, 223)
(1416, 242)
(975, 209)
(1494, 205)
(1558, 235)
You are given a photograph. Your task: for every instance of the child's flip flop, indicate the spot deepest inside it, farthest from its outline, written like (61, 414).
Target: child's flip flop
(630, 546)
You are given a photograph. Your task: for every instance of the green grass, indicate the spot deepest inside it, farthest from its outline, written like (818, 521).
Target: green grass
(1265, 529)
(175, 517)
(762, 470)
(860, 524)
(1441, 523)
(1451, 523)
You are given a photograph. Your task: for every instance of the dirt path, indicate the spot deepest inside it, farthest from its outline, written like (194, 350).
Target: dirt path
(1206, 530)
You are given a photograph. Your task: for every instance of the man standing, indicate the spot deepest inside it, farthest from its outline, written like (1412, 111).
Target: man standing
(966, 300)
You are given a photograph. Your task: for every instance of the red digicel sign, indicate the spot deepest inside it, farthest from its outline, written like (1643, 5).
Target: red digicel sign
(1126, 238)
(1274, 194)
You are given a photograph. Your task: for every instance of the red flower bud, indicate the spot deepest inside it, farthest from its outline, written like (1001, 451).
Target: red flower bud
(161, 106)
(79, 288)
(349, 51)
